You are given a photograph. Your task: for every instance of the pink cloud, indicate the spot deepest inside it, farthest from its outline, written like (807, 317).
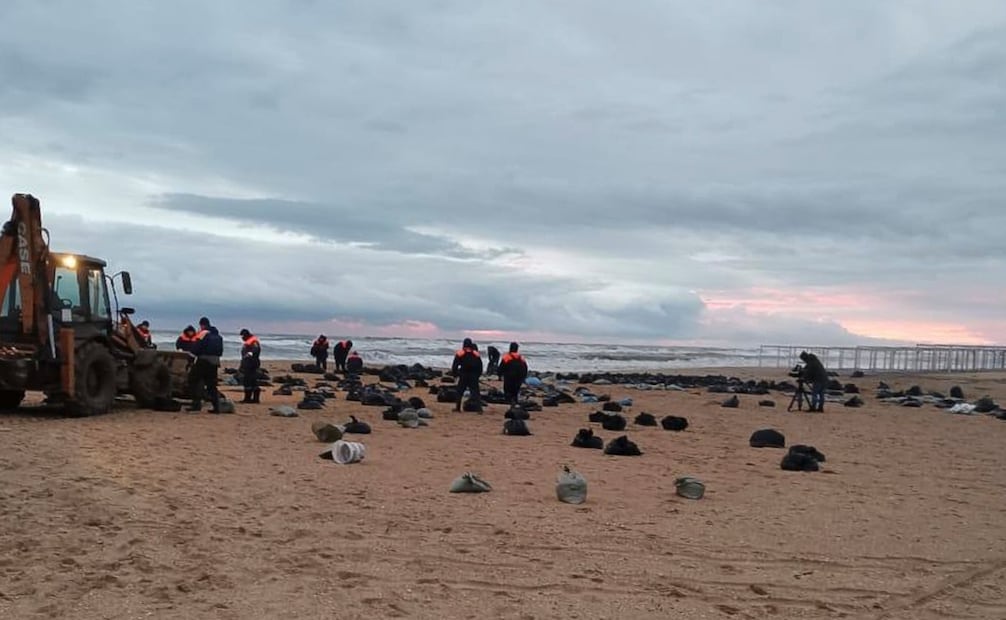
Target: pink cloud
(862, 312)
(916, 331)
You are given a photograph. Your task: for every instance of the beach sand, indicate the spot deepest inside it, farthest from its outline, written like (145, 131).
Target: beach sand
(139, 514)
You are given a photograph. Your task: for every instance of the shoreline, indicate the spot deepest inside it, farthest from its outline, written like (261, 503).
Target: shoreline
(740, 372)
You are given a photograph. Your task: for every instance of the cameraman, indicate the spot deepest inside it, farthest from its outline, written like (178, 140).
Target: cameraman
(815, 374)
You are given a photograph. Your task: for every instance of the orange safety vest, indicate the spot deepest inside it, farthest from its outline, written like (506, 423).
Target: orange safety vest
(185, 338)
(321, 342)
(200, 335)
(512, 357)
(252, 340)
(462, 352)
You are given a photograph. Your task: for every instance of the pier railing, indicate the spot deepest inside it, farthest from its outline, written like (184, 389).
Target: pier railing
(920, 358)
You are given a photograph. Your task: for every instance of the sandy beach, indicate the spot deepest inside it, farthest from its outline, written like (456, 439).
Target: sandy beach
(140, 514)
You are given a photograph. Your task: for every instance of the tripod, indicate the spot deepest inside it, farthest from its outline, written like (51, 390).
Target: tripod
(799, 397)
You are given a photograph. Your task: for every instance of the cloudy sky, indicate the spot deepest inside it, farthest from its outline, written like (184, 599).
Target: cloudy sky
(717, 172)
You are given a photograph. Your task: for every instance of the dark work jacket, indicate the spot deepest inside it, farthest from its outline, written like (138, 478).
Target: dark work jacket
(513, 368)
(185, 344)
(340, 350)
(209, 346)
(320, 348)
(814, 370)
(467, 362)
(354, 364)
(251, 362)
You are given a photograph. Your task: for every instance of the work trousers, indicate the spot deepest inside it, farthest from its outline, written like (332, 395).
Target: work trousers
(203, 376)
(471, 383)
(511, 387)
(340, 361)
(817, 396)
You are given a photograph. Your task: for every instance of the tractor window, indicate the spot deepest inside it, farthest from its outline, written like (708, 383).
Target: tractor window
(67, 289)
(98, 295)
(11, 302)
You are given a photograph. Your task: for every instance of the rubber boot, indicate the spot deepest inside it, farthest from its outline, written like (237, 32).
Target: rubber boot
(215, 401)
(256, 393)
(248, 397)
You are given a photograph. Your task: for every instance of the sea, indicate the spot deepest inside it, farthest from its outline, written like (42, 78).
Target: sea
(541, 356)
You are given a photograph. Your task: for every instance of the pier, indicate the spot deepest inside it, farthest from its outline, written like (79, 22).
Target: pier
(920, 358)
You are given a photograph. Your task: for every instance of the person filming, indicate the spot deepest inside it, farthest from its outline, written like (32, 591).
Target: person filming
(816, 375)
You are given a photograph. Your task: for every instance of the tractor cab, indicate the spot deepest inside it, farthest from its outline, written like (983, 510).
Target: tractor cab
(80, 299)
(79, 293)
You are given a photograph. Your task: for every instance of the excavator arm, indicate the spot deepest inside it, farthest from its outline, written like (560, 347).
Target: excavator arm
(24, 256)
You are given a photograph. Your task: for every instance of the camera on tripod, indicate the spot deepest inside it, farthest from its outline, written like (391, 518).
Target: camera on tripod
(797, 372)
(800, 395)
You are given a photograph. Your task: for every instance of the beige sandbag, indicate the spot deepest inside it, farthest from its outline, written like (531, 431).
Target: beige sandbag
(470, 483)
(571, 487)
(690, 488)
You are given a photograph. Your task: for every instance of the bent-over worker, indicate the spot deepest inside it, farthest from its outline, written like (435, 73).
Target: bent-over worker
(186, 340)
(354, 364)
(494, 360)
(340, 353)
(146, 340)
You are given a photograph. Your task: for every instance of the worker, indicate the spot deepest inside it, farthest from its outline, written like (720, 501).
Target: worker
(251, 349)
(494, 360)
(187, 338)
(354, 364)
(467, 367)
(340, 352)
(320, 352)
(513, 371)
(207, 350)
(146, 340)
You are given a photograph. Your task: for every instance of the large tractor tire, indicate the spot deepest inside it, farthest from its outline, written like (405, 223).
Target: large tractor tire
(10, 399)
(150, 384)
(94, 381)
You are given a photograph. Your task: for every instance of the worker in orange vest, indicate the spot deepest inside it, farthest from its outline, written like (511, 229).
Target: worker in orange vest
(354, 363)
(513, 371)
(186, 339)
(340, 352)
(467, 367)
(251, 349)
(320, 352)
(146, 340)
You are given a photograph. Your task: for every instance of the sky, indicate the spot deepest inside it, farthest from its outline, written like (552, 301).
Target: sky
(747, 172)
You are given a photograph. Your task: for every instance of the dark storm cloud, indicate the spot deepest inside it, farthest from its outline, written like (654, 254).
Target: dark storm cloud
(245, 279)
(326, 222)
(589, 163)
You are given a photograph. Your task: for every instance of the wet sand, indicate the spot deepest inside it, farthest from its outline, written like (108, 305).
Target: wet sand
(139, 514)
